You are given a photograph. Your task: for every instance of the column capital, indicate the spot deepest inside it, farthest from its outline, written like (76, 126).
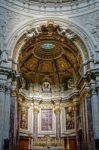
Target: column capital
(76, 99)
(56, 110)
(93, 91)
(14, 88)
(13, 93)
(76, 105)
(87, 93)
(36, 110)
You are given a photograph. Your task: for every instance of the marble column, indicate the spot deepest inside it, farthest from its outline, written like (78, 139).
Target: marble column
(88, 121)
(2, 106)
(12, 135)
(18, 109)
(35, 122)
(58, 126)
(84, 135)
(4, 115)
(4, 112)
(12, 131)
(95, 112)
(76, 102)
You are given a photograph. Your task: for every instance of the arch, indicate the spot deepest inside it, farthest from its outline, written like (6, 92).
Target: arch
(84, 44)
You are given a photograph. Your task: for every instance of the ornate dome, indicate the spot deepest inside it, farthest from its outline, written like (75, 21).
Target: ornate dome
(49, 54)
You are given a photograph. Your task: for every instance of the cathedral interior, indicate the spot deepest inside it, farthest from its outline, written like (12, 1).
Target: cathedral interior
(49, 75)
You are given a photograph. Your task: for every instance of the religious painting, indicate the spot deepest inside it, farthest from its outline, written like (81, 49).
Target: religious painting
(46, 119)
(24, 118)
(70, 122)
(46, 86)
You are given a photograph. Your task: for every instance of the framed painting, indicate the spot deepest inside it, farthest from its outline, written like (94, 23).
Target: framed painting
(24, 118)
(70, 121)
(46, 119)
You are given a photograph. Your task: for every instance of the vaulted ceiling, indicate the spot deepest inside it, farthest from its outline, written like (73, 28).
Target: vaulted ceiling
(49, 55)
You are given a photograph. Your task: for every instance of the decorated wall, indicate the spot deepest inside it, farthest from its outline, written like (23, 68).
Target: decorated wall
(49, 74)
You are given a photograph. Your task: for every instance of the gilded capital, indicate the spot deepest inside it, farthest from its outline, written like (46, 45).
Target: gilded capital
(14, 93)
(87, 93)
(36, 110)
(56, 110)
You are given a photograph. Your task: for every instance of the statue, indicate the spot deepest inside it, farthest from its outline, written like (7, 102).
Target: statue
(3, 56)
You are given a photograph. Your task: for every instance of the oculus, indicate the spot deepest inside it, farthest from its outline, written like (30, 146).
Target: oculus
(47, 46)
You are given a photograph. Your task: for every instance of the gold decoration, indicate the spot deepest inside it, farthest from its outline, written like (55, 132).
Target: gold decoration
(36, 110)
(87, 93)
(14, 93)
(57, 110)
(36, 62)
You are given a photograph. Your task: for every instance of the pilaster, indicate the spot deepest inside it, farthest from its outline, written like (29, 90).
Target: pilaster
(35, 121)
(13, 118)
(5, 84)
(57, 111)
(88, 130)
(76, 103)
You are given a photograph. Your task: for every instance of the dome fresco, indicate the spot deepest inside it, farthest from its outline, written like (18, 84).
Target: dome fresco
(48, 54)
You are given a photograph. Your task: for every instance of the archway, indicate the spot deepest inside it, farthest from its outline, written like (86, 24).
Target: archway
(52, 60)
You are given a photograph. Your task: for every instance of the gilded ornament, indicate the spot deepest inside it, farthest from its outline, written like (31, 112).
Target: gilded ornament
(36, 110)
(57, 110)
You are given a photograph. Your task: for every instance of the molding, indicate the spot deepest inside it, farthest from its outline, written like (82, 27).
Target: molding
(86, 39)
(70, 8)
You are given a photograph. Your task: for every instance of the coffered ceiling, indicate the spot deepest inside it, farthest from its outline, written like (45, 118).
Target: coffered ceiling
(49, 55)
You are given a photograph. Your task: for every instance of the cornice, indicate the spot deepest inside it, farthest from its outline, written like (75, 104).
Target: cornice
(70, 9)
(73, 94)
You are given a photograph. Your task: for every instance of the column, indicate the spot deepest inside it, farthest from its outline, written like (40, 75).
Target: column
(12, 131)
(84, 135)
(95, 112)
(88, 122)
(76, 102)
(2, 101)
(4, 112)
(35, 123)
(58, 126)
(18, 109)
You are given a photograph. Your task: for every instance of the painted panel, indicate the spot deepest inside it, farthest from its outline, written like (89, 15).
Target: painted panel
(70, 122)
(46, 119)
(24, 118)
